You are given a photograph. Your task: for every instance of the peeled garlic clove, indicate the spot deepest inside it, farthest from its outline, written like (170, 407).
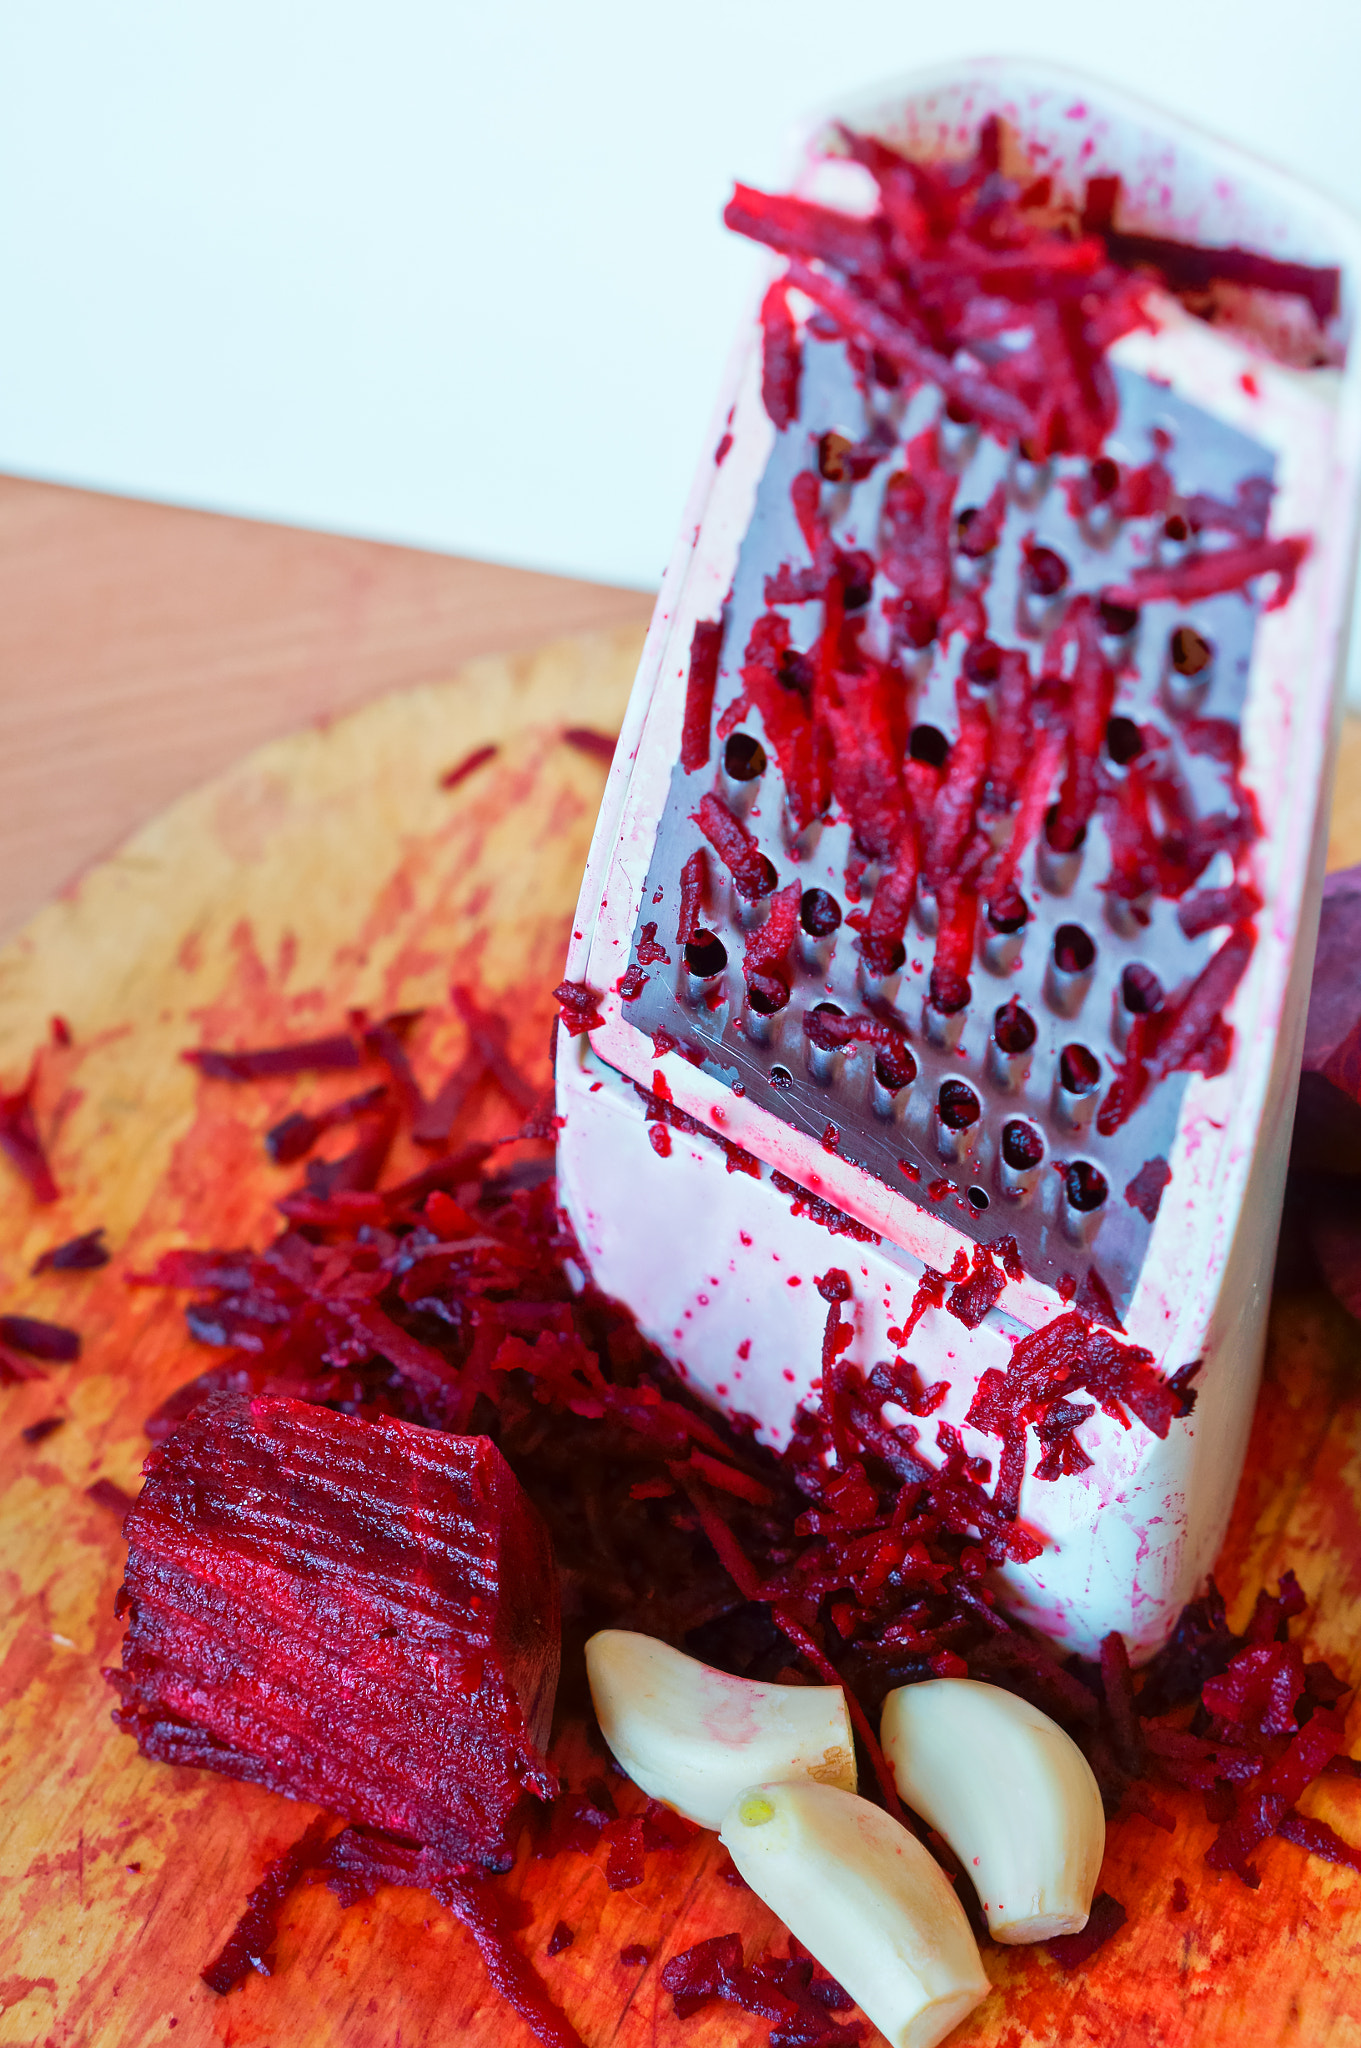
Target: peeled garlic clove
(866, 1899)
(693, 1737)
(1010, 1792)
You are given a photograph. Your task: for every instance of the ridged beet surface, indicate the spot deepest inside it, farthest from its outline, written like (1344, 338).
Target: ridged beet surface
(360, 1613)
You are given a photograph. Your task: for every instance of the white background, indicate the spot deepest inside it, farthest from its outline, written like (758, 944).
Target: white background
(454, 274)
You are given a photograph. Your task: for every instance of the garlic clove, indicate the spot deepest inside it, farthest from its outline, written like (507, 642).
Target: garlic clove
(866, 1899)
(1010, 1792)
(693, 1737)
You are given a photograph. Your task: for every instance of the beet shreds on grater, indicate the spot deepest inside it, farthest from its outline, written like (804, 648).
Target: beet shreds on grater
(359, 1613)
(989, 696)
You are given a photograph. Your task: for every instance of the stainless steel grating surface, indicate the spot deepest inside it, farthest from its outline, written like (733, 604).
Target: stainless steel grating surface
(770, 1058)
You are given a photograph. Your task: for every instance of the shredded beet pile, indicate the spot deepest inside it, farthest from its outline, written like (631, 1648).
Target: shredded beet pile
(455, 1300)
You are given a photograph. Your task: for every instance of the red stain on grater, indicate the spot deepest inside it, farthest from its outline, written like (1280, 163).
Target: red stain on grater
(956, 883)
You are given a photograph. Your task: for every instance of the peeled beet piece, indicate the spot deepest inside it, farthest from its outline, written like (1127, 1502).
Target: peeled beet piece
(361, 1614)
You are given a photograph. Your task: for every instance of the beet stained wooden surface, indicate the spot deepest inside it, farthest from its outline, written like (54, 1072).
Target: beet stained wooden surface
(330, 869)
(144, 649)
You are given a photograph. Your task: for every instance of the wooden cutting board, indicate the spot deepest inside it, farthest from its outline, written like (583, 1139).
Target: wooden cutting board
(327, 870)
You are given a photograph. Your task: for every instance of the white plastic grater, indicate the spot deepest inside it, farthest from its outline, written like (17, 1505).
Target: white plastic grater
(719, 1265)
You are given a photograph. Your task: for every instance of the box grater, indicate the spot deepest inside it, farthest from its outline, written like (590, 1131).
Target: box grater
(722, 1146)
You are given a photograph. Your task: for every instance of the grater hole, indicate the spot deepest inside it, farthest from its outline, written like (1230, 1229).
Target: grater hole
(767, 994)
(1008, 916)
(894, 1068)
(1079, 1070)
(1052, 835)
(1104, 477)
(705, 955)
(1013, 1028)
(1022, 1145)
(973, 540)
(768, 880)
(1074, 949)
(883, 956)
(821, 1026)
(1189, 651)
(928, 743)
(959, 1107)
(982, 662)
(978, 1197)
(1085, 1186)
(780, 1077)
(1141, 992)
(1045, 572)
(1124, 741)
(744, 757)
(1118, 620)
(857, 580)
(819, 913)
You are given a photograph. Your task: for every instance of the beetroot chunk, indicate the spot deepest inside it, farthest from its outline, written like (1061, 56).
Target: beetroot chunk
(362, 1614)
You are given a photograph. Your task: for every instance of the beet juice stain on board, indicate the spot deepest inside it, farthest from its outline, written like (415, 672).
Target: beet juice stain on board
(964, 832)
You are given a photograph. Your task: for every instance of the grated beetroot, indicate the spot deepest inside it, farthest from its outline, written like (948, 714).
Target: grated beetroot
(1189, 268)
(765, 963)
(1075, 1951)
(38, 1432)
(781, 358)
(250, 1946)
(107, 1493)
(752, 873)
(694, 887)
(311, 1055)
(821, 1211)
(52, 1342)
(600, 746)
(294, 1136)
(1145, 1191)
(469, 765)
(19, 1139)
(970, 1300)
(1189, 1034)
(851, 1552)
(1216, 570)
(952, 257)
(788, 1990)
(578, 1007)
(706, 644)
(14, 1368)
(76, 1255)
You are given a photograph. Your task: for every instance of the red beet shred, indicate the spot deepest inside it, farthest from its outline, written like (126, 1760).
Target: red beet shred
(20, 1141)
(81, 1254)
(39, 1339)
